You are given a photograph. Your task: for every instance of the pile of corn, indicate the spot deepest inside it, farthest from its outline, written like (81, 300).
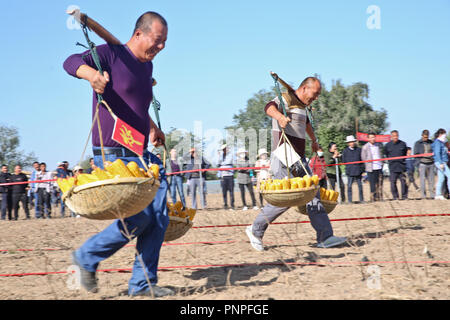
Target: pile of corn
(289, 184)
(330, 195)
(176, 209)
(116, 169)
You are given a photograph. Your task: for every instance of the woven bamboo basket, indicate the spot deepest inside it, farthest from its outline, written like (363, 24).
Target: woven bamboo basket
(177, 228)
(327, 204)
(290, 198)
(112, 198)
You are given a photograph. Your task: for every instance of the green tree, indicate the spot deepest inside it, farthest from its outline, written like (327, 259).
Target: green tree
(9, 149)
(335, 112)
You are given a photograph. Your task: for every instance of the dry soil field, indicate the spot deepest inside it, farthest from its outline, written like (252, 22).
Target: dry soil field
(290, 268)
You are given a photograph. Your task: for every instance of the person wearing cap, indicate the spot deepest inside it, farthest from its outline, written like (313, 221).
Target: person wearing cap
(244, 179)
(226, 161)
(352, 153)
(295, 125)
(61, 172)
(77, 170)
(262, 174)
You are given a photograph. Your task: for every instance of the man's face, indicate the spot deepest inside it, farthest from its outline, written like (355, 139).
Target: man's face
(424, 137)
(351, 144)
(394, 136)
(333, 148)
(151, 43)
(17, 169)
(371, 138)
(310, 93)
(43, 167)
(173, 153)
(4, 169)
(36, 166)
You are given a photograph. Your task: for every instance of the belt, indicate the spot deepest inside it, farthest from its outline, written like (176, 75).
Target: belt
(117, 151)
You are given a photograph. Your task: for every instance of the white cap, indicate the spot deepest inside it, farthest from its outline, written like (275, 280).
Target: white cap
(77, 168)
(262, 151)
(350, 139)
(242, 150)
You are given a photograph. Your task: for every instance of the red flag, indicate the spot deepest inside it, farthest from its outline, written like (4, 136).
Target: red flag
(378, 138)
(128, 136)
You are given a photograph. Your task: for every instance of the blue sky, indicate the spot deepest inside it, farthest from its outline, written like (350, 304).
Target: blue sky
(219, 54)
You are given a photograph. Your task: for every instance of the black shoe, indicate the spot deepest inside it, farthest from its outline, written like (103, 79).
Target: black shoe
(87, 279)
(154, 291)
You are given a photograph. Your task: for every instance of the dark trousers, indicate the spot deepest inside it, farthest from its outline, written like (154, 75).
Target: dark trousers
(376, 185)
(227, 184)
(394, 176)
(44, 202)
(6, 205)
(20, 197)
(333, 179)
(360, 188)
(250, 190)
(412, 180)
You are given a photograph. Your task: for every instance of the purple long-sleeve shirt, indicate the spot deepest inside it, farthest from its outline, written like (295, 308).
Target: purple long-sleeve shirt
(128, 93)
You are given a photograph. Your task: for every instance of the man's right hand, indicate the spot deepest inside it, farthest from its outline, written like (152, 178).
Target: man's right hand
(98, 82)
(283, 121)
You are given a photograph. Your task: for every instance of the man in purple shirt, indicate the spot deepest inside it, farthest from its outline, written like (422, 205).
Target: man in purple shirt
(126, 85)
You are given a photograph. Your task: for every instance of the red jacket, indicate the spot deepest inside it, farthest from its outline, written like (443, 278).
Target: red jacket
(318, 167)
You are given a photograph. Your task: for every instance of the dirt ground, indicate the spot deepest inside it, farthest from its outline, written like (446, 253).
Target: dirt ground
(290, 268)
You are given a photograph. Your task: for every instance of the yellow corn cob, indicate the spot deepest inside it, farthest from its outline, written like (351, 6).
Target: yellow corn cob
(154, 170)
(101, 174)
(332, 194)
(134, 169)
(308, 181)
(86, 178)
(315, 179)
(118, 168)
(191, 213)
(301, 183)
(178, 206)
(286, 184)
(323, 192)
(294, 185)
(327, 194)
(336, 196)
(144, 172)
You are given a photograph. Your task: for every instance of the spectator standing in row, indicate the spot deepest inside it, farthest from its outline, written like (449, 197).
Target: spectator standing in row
(226, 176)
(196, 179)
(5, 177)
(411, 169)
(262, 174)
(19, 192)
(44, 190)
(426, 164)
(33, 195)
(61, 172)
(440, 154)
(176, 180)
(353, 171)
(92, 166)
(318, 167)
(372, 151)
(397, 167)
(244, 179)
(331, 159)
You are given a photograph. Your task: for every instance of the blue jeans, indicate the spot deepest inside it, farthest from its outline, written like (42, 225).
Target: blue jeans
(352, 179)
(176, 182)
(149, 227)
(441, 177)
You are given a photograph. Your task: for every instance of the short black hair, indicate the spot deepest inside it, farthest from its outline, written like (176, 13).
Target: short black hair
(144, 22)
(4, 165)
(426, 133)
(36, 162)
(408, 148)
(394, 131)
(42, 163)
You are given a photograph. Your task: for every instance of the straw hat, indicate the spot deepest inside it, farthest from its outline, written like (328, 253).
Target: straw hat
(350, 139)
(262, 151)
